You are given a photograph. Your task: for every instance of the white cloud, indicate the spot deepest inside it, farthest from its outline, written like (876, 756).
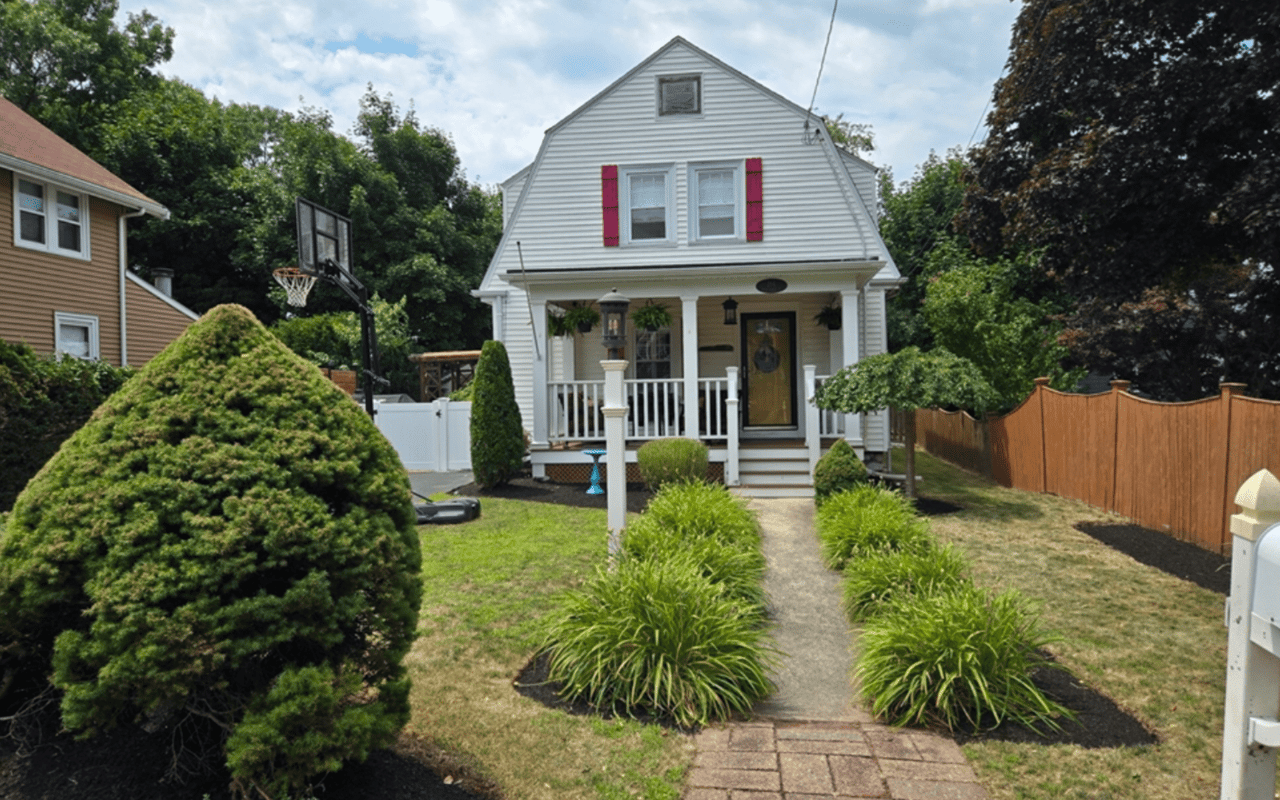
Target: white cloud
(495, 74)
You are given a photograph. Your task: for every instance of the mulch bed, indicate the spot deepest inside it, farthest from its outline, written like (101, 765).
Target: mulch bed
(129, 764)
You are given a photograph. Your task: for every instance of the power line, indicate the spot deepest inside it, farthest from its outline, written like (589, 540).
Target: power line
(831, 26)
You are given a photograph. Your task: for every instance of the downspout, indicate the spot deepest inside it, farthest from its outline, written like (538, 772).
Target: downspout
(123, 258)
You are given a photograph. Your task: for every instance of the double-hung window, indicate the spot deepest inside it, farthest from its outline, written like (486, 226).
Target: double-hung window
(715, 201)
(51, 218)
(648, 199)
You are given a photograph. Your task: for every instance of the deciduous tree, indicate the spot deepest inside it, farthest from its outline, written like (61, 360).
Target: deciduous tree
(1136, 146)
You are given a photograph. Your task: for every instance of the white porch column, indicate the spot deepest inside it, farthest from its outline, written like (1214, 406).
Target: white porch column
(689, 327)
(615, 443)
(812, 430)
(538, 330)
(731, 421)
(852, 346)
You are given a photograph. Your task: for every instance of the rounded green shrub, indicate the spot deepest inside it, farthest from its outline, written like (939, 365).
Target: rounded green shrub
(868, 519)
(677, 460)
(838, 470)
(497, 434)
(656, 637)
(738, 570)
(963, 658)
(227, 534)
(875, 581)
(702, 510)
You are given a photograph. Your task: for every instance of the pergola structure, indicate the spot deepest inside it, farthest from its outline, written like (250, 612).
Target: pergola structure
(440, 374)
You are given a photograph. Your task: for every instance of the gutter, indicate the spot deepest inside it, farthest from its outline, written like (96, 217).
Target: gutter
(121, 230)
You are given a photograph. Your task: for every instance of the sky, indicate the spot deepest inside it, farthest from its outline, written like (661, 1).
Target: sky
(496, 75)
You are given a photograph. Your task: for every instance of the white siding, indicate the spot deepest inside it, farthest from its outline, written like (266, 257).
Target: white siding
(807, 215)
(874, 340)
(511, 189)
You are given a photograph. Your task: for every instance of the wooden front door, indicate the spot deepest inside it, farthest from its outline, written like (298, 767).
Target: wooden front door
(769, 370)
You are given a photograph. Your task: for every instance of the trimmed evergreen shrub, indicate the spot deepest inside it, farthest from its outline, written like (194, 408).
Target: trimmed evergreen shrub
(43, 400)
(737, 570)
(868, 519)
(962, 658)
(875, 581)
(229, 537)
(700, 510)
(656, 637)
(838, 470)
(675, 460)
(497, 434)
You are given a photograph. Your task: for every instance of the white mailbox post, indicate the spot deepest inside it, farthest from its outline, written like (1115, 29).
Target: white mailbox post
(1251, 730)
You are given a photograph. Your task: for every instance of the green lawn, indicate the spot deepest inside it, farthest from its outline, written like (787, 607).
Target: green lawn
(486, 586)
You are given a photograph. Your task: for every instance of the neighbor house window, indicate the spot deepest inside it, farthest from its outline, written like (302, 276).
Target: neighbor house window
(648, 207)
(679, 94)
(51, 218)
(715, 201)
(77, 334)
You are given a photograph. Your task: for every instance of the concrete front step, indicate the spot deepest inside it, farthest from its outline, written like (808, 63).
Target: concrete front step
(771, 490)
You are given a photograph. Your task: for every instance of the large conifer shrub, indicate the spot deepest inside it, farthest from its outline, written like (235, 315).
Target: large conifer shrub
(497, 434)
(229, 537)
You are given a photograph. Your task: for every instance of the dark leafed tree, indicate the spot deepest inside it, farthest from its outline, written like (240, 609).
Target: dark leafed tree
(1135, 145)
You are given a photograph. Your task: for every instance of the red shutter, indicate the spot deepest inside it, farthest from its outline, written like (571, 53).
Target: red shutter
(609, 203)
(755, 200)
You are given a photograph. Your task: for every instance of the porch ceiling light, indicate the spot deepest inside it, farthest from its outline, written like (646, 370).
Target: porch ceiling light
(730, 311)
(613, 318)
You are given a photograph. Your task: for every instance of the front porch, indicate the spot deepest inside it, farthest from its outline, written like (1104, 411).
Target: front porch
(761, 463)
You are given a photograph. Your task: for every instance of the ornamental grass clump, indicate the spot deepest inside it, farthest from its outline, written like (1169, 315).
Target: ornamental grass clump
(698, 510)
(737, 570)
(963, 659)
(228, 538)
(656, 637)
(874, 582)
(869, 519)
(664, 461)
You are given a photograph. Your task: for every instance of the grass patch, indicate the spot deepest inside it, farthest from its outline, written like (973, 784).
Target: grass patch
(1154, 643)
(487, 586)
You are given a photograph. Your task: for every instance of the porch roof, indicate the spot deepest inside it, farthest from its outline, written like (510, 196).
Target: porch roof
(702, 279)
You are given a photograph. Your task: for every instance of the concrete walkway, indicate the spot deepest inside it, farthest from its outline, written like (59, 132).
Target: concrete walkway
(811, 739)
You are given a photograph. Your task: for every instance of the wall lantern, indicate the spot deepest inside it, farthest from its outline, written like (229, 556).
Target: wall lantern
(730, 311)
(613, 318)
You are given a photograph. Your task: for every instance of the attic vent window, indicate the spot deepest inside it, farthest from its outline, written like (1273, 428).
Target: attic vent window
(680, 94)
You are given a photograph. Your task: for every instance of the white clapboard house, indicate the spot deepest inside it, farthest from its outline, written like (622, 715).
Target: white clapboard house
(689, 185)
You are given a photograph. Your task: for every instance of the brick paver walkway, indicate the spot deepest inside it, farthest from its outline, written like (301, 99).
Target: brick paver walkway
(809, 760)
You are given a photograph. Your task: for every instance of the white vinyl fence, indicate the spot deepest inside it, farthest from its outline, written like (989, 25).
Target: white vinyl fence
(428, 436)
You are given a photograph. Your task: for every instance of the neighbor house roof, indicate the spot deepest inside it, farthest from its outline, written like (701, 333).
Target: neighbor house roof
(27, 146)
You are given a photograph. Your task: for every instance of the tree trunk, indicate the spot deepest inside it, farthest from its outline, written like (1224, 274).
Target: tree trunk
(909, 437)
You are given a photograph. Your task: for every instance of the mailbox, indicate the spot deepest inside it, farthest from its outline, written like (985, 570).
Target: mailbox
(1264, 628)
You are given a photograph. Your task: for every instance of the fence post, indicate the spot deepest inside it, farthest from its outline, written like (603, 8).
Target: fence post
(1117, 388)
(1041, 385)
(1229, 391)
(1253, 671)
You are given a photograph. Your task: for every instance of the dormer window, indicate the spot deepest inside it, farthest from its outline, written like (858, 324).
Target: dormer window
(679, 94)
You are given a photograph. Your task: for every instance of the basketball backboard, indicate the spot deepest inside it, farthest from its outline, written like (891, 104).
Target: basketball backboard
(324, 243)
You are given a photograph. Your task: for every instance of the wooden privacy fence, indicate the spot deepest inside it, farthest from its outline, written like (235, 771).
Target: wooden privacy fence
(1172, 467)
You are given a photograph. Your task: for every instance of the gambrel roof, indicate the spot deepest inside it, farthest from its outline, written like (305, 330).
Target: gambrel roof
(810, 182)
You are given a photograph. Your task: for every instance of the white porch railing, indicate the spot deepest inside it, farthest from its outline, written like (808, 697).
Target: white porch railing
(830, 423)
(655, 409)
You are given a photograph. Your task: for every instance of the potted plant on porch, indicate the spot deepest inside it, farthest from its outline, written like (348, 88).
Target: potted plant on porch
(651, 316)
(584, 318)
(830, 315)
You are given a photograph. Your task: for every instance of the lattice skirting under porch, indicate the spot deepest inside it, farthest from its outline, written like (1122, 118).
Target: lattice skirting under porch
(581, 473)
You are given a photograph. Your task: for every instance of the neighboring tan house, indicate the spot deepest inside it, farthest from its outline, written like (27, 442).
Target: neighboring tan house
(63, 255)
(687, 184)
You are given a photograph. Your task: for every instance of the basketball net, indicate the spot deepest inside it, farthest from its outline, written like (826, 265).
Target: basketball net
(297, 284)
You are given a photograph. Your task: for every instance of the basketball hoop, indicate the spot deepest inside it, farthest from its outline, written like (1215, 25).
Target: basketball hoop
(297, 284)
